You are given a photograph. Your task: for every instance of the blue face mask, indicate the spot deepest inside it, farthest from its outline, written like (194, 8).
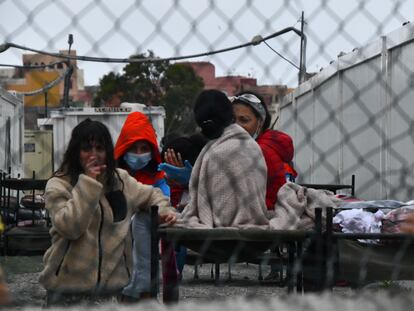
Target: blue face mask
(137, 161)
(256, 134)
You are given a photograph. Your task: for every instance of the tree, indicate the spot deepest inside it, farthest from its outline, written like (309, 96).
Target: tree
(139, 83)
(144, 80)
(181, 86)
(110, 85)
(155, 84)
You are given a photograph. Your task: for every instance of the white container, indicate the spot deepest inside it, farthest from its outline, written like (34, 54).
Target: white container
(11, 132)
(64, 120)
(38, 153)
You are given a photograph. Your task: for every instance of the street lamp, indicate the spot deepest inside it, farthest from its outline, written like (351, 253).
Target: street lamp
(66, 84)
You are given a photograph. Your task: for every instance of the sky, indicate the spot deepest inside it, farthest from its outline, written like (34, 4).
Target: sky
(120, 28)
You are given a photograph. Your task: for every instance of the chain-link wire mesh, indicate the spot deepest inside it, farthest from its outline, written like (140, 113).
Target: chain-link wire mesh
(337, 80)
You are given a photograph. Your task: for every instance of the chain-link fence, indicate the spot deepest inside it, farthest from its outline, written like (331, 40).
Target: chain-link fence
(336, 76)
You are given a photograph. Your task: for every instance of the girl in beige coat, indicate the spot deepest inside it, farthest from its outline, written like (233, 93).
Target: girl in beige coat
(90, 203)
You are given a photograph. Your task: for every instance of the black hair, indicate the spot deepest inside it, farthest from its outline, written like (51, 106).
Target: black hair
(168, 138)
(213, 113)
(199, 141)
(268, 118)
(86, 132)
(189, 147)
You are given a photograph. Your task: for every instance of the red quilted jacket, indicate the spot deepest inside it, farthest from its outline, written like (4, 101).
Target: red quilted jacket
(277, 148)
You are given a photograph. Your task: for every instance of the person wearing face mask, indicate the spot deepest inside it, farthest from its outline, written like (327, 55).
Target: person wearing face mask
(136, 151)
(251, 113)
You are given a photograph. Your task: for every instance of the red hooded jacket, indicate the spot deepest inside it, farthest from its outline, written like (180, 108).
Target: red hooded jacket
(277, 148)
(138, 127)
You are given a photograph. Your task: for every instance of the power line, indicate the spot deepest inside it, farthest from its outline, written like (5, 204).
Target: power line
(280, 55)
(256, 40)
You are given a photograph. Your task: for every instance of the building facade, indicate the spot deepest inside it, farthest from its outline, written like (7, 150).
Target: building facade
(232, 85)
(30, 80)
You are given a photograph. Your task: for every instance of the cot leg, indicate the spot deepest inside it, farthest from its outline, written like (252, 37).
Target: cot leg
(314, 267)
(169, 276)
(196, 277)
(217, 273)
(290, 272)
(260, 272)
(298, 263)
(330, 257)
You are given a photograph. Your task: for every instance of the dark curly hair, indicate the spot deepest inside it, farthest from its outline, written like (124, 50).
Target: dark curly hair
(84, 133)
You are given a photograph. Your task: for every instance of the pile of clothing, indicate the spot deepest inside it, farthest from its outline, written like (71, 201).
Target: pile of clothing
(380, 216)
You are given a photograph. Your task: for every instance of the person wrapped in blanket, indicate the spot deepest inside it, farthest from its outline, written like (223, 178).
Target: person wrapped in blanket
(251, 113)
(228, 180)
(179, 155)
(91, 203)
(136, 151)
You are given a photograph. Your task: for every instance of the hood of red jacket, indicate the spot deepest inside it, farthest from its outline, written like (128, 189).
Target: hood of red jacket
(136, 127)
(280, 142)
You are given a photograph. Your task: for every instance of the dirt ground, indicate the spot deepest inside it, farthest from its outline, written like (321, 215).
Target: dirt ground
(22, 276)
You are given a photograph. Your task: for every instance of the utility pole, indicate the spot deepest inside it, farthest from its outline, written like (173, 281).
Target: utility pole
(46, 104)
(68, 76)
(302, 59)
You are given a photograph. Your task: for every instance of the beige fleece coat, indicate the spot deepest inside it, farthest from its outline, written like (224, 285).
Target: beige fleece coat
(90, 253)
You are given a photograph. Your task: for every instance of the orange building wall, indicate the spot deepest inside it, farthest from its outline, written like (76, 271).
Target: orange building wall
(36, 80)
(38, 59)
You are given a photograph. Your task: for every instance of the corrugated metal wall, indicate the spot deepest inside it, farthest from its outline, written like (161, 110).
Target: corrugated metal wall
(356, 117)
(11, 132)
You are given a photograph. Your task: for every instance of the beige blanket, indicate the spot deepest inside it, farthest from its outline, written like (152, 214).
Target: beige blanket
(228, 184)
(295, 207)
